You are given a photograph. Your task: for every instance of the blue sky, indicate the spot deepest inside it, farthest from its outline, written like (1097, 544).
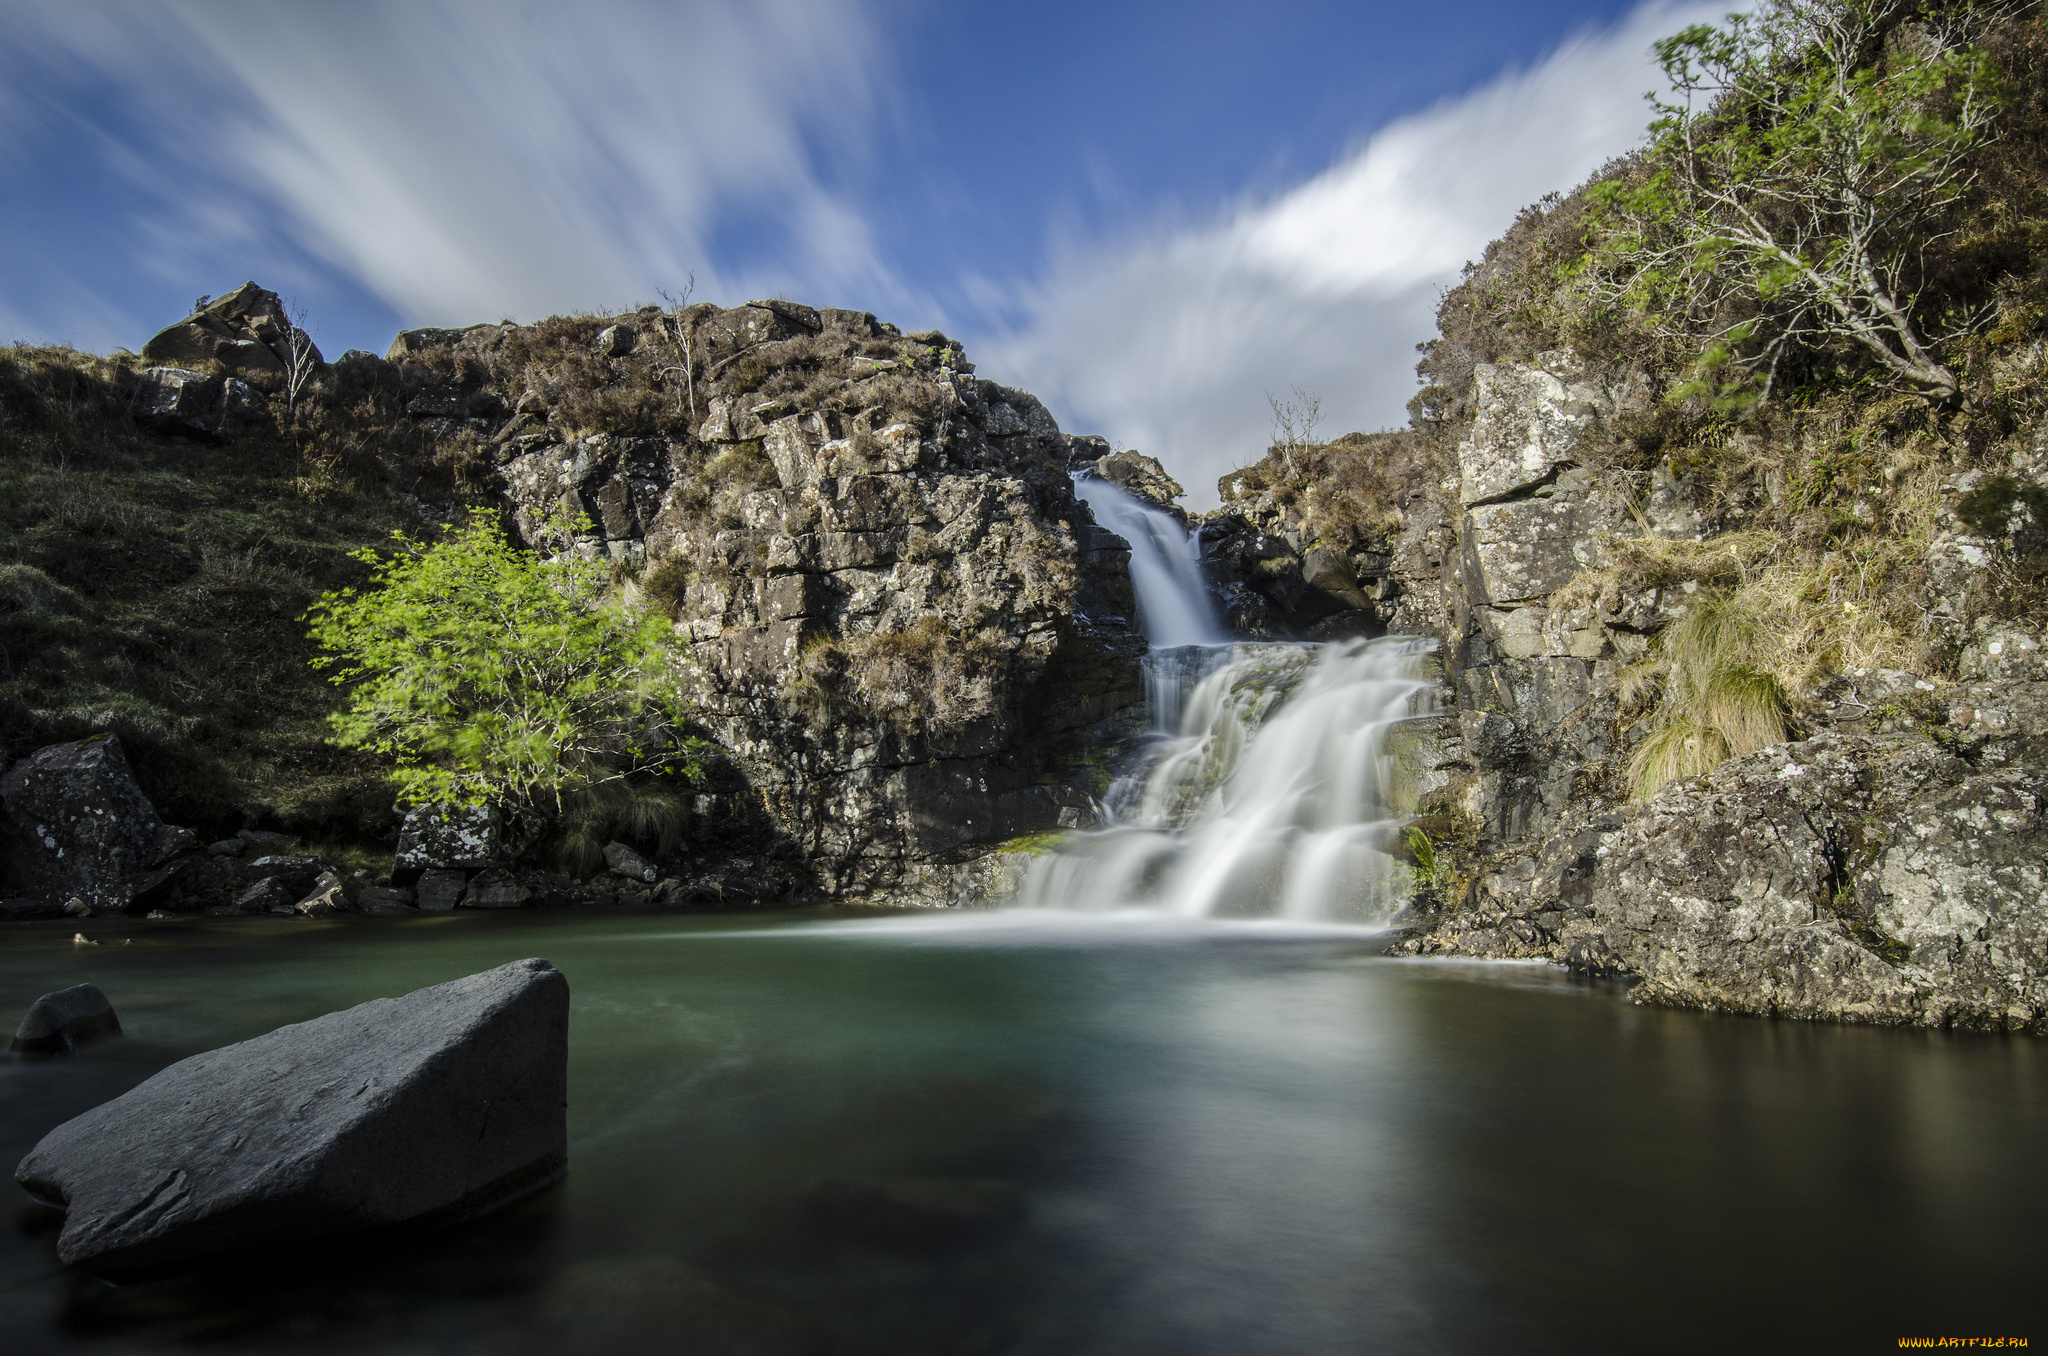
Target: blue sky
(1149, 214)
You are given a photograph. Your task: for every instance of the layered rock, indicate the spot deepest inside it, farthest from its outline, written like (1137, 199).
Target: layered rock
(905, 629)
(398, 1113)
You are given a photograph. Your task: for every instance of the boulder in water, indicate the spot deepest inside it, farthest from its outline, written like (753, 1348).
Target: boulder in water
(58, 1023)
(404, 1112)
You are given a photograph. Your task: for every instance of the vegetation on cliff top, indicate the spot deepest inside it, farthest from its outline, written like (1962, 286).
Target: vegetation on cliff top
(1829, 268)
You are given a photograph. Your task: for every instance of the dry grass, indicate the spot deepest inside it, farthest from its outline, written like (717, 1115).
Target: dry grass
(1719, 699)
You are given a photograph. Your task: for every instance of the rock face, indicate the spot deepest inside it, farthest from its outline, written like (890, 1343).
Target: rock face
(907, 633)
(401, 1112)
(245, 331)
(57, 1023)
(1885, 866)
(1865, 878)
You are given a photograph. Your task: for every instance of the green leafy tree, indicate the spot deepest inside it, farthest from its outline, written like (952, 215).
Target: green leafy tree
(1811, 155)
(488, 673)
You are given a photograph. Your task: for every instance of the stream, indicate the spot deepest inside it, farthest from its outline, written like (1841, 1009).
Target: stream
(1222, 1137)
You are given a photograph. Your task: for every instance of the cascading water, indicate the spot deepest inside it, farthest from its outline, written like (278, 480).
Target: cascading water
(1174, 606)
(1274, 787)
(1275, 798)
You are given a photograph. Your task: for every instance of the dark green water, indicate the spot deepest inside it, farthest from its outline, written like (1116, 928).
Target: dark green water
(1225, 1141)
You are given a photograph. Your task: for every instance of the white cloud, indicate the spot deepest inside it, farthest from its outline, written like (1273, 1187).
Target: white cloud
(1169, 340)
(469, 159)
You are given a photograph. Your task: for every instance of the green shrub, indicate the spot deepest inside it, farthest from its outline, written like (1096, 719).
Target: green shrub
(489, 674)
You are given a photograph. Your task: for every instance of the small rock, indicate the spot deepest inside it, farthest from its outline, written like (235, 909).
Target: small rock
(401, 1112)
(263, 841)
(57, 1023)
(379, 899)
(616, 341)
(440, 890)
(328, 897)
(266, 895)
(287, 864)
(496, 889)
(77, 908)
(621, 860)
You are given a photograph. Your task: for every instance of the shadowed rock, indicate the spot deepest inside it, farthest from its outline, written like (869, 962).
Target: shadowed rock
(57, 1023)
(407, 1112)
(78, 826)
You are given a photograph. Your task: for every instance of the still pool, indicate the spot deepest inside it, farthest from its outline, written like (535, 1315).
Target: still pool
(1203, 1140)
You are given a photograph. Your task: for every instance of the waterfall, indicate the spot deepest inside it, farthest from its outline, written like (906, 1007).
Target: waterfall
(1174, 606)
(1275, 796)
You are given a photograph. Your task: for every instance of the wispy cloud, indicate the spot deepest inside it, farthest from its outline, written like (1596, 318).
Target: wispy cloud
(1169, 339)
(467, 159)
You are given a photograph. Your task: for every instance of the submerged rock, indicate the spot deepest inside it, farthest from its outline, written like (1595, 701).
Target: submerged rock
(915, 1212)
(57, 1023)
(401, 1112)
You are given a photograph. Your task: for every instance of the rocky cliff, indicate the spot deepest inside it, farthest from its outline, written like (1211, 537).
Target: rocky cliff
(1743, 699)
(907, 641)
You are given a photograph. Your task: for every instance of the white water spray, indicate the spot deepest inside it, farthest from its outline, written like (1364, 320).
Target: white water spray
(1277, 796)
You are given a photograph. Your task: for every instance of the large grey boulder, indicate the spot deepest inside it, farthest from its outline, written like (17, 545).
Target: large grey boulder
(77, 826)
(57, 1023)
(401, 1112)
